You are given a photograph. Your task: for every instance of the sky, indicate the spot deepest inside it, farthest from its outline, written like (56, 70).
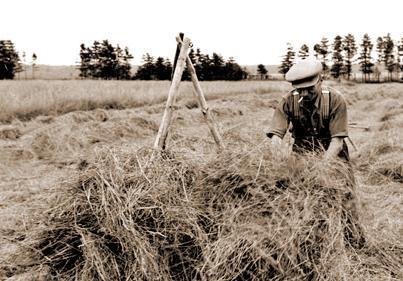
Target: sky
(251, 31)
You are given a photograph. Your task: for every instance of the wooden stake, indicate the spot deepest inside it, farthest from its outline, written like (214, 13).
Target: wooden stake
(166, 119)
(203, 104)
(178, 49)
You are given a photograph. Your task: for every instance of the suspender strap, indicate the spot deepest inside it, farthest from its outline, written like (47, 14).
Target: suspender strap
(295, 103)
(324, 107)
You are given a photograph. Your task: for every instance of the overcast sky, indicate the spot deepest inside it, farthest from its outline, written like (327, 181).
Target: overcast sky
(252, 31)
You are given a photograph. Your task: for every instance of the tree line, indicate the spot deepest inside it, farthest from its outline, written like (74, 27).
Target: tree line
(344, 54)
(103, 60)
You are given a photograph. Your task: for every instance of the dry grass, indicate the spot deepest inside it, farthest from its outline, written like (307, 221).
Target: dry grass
(238, 216)
(26, 100)
(116, 213)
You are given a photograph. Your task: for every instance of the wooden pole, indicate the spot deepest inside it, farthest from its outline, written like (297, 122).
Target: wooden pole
(203, 104)
(178, 49)
(166, 118)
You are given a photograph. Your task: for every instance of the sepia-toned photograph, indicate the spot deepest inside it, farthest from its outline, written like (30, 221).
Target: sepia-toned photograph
(201, 140)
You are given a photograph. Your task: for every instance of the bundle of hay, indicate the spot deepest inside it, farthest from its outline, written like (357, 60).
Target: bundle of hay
(235, 216)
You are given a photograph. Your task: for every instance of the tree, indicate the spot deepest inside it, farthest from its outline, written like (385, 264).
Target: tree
(323, 52)
(24, 64)
(104, 61)
(123, 66)
(147, 70)
(161, 71)
(288, 60)
(400, 56)
(168, 68)
(85, 65)
(261, 70)
(400, 53)
(233, 71)
(34, 58)
(316, 49)
(350, 50)
(303, 52)
(365, 57)
(388, 55)
(217, 67)
(337, 68)
(9, 60)
(380, 49)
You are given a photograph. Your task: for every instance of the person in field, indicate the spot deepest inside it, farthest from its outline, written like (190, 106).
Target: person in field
(317, 115)
(317, 119)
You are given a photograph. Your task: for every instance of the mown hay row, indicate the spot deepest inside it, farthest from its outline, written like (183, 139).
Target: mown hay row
(236, 216)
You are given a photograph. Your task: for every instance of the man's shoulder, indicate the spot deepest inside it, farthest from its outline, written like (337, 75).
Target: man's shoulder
(336, 95)
(289, 94)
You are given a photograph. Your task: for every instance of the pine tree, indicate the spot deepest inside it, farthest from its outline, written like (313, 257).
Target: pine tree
(388, 55)
(323, 51)
(160, 69)
(233, 71)
(317, 50)
(350, 50)
(107, 61)
(288, 60)
(303, 52)
(380, 49)
(400, 53)
(24, 65)
(365, 57)
(125, 66)
(337, 57)
(85, 56)
(262, 71)
(168, 69)
(104, 61)
(217, 67)
(147, 70)
(206, 73)
(34, 58)
(9, 60)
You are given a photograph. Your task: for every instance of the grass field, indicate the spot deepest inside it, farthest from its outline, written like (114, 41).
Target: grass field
(55, 133)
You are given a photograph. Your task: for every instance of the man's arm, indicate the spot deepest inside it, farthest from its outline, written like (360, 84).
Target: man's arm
(279, 122)
(338, 125)
(336, 145)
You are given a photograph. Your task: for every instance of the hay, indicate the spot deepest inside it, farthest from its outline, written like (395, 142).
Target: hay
(66, 141)
(235, 216)
(10, 133)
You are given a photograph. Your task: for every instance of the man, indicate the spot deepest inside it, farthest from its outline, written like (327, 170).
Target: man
(318, 116)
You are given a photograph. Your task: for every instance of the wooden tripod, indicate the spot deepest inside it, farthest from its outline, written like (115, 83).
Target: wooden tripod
(183, 59)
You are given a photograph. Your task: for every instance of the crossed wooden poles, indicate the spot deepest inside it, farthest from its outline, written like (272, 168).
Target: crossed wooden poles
(179, 66)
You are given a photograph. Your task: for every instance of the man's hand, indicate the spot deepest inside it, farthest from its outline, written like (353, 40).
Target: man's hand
(336, 145)
(279, 149)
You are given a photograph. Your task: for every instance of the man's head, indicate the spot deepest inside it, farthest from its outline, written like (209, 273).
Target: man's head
(305, 73)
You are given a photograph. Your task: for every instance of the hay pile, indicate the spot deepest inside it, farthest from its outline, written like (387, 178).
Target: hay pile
(235, 216)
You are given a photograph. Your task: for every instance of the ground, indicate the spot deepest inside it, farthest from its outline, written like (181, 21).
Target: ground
(43, 143)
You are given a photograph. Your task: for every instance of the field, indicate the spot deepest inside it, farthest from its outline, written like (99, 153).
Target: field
(57, 135)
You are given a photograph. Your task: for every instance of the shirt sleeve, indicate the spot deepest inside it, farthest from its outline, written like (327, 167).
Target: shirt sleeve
(280, 121)
(338, 123)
